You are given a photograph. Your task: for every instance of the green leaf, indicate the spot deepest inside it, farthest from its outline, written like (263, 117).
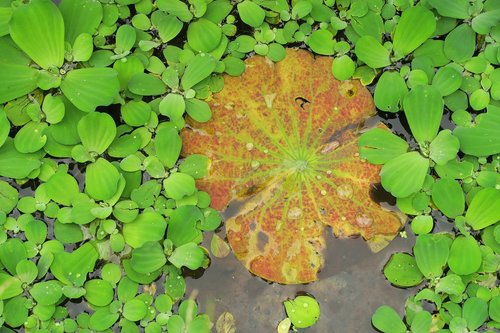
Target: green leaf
(479, 99)
(401, 270)
(423, 107)
(303, 311)
(46, 293)
(198, 69)
(198, 110)
(98, 292)
(9, 286)
(406, 37)
(448, 196)
(465, 255)
(177, 8)
(146, 85)
(483, 139)
(101, 179)
(96, 130)
(148, 258)
(494, 308)
(447, 80)
(38, 30)
(167, 146)
(62, 188)
(14, 164)
(36, 231)
(8, 197)
(203, 35)
(173, 106)
(405, 174)
(72, 268)
(15, 311)
(475, 312)
(88, 88)
(125, 39)
(343, 67)
(83, 47)
(26, 271)
(31, 137)
(379, 146)
(387, 320)
(451, 8)
(422, 322)
(431, 253)
(134, 310)
(182, 226)
(321, 41)
(80, 16)
(12, 252)
(371, 52)
(483, 210)
(451, 284)
(169, 26)
(444, 147)
(188, 255)
(103, 319)
(251, 13)
(460, 43)
(195, 165)
(178, 185)
(390, 91)
(147, 227)
(16, 81)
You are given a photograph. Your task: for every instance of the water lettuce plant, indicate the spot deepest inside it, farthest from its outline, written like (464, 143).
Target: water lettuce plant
(97, 205)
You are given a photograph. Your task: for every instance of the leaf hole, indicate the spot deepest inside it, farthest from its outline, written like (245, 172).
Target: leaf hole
(302, 102)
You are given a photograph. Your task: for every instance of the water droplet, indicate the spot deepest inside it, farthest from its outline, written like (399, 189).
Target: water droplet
(344, 192)
(266, 151)
(249, 146)
(329, 172)
(255, 164)
(323, 192)
(318, 177)
(294, 213)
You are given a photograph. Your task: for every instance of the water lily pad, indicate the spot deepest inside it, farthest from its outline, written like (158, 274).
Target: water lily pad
(303, 311)
(289, 153)
(38, 29)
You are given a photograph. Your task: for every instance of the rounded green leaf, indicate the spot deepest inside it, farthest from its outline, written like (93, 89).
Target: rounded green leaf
(195, 165)
(406, 37)
(147, 227)
(103, 319)
(431, 253)
(379, 146)
(188, 255)
(402, 271)
(11, 286)
(451, 8)
(38, 29)
(16, 81)
(444, 147)
(173, 106)
(483, 210)
(198, 69)
(465, 255)
(46, 293)
(98, 292)
(389, 92)
(184, 225)
(8, 197)
(447, 80)
(203, 35)
(494, 308)
(31, 137)
(343, 67)
(88, 88)
(80, 16)
(303, 311)
(168, 146)
(62, 188)
(179, 185)
(387, 320)
(14, 164)
(371, 52)
(422, 322)
(15, 311)
(134, 310)
(36, 231)
(321, 41)
(101, 179)
(26, 271)
(460, 43)
(148, 258)
(198, 110)
(451, 284)
(96, 130)
(146, 85)
(12, 252)
(405, 174)
(83, 47)
(423, 107)
(125, 39)
(422, 224)
(479, 99)
(448, 196)
(251, 13)
(168, 27)
(475, 312)
(111, 272)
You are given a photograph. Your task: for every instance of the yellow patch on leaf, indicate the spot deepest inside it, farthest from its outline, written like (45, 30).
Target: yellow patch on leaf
(283, 142)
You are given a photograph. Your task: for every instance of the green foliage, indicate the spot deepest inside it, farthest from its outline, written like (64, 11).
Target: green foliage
(303, 311)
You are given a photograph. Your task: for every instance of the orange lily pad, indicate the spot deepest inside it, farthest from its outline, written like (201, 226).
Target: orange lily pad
(282, 144)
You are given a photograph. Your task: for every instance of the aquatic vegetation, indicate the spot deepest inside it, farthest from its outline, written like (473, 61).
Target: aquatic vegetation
(282, 140)
(98, 206)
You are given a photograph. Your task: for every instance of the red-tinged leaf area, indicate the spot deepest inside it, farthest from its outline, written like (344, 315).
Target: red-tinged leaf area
(283, 144)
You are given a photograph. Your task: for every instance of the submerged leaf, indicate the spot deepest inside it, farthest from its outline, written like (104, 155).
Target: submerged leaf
(282, 142)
